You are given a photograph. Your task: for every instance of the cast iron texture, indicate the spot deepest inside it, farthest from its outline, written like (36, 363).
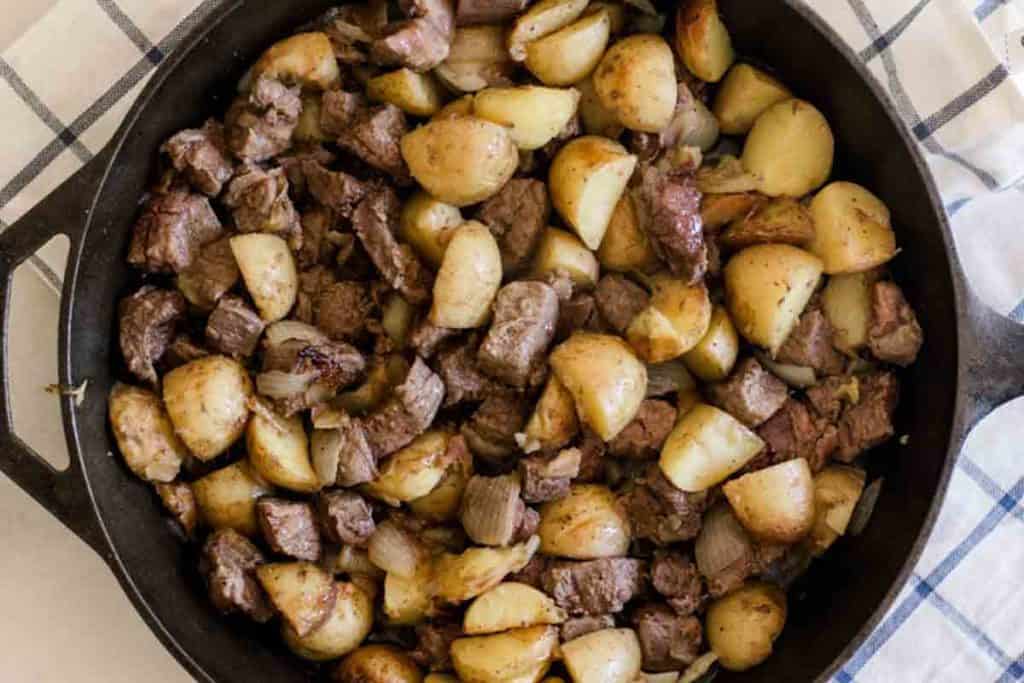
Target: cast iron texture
(967, 367)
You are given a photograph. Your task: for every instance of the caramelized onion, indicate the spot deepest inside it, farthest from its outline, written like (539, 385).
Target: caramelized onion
(492, 509)
(722, 541)
(284, 330)
(395, 550)
(665, 378)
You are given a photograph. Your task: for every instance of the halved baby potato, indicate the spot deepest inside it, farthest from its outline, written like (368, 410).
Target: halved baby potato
(846, 302)
(853, 229)
(775, 504)
(535, 115)
(347, 626)
(586, 179)
(587, 524)
(279, 450)
(780, 221)
(227, 497)
(790, 149)
(510, 605)
(715, 354)
(553, 423)
(610, 655)
(569, 54)
(595, 117)
(458, 578)
(412, 472)
(742, 626)
(412, 92)
(676, 319)
(607, 381)
(837, 488)
(625, 247)
(144, 433)
(560, 252)
(702, 41)
(268, 269)
(766, 289)
(305, 59)
(378, 663)
(541, 19)
(407, 600)
(207, 401)
(517, 656)
(706, 446)
(636, 81)
(427, 224)
(745, 94)
(302, 592)
(468, 279)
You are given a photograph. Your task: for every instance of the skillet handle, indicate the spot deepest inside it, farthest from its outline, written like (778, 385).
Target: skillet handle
(64, 493)
(992, 372)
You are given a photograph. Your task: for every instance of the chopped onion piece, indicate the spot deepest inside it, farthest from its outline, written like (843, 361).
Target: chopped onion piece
(395, 551)
(700, 667)
(665, 378)
(279, 384)
(284, 330)
(797, 376)
(722, 541)
(865, 507)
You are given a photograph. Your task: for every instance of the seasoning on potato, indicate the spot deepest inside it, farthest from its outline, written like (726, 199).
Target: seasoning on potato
(636, 82)
(790, 149)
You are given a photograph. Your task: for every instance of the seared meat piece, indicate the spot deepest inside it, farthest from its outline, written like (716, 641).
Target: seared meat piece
(407, 414)
(592, 451)
(420, 43)
(642, 438)
(182, 350)
(201, 155)
(828, 396)
(146, 325)
(517, 216)
(374, 135)
(547, 478)
(345, 517)
(180, 501)
(321, 239)
(342, 310)
(336, 190)
(324, 368)
(433, 645)
(228, 563)
(668, 641)
(342, 455)
(750, 394)
(170, 232)
(869, 422)
(529, 522)
(578, 313)
(375, 223)
(532, 574)
(596, 586)
(463, 379)
(793, 432)
(523, 326)
(210, 276)
(259, 202)
(619, 299)
(338, 110)
(293, 169)
(895, 335)
(260, 125)
(471, 12)
(234, 328)
(661, 512)
(669, 205)
(289, 528)
(810, 344)
(676, 577)
(312, 283)
(426, 337)
(491, 431)
(351, 29)
(572, 629)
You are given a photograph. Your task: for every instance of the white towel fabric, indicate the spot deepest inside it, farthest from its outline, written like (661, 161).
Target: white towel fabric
(954, 69)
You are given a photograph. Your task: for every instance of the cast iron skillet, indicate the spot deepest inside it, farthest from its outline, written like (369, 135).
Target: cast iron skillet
(967, 366)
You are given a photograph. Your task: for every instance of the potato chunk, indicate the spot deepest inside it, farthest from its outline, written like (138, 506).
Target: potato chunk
(302, 592)
(853, 229)
(510, 605)
(227, 497)
(279, 450)
(207, 401)
(534, 115)
(715, 354)
(837, 488)
(347, 626)
(705, 447)
(427, 224)
(306, 59)
(790, 149)
(605, 656)
(412, 472)
(745, 94)
(587, 524)
(702, 41)
(561, 252)
(517, 656)
(636, 80)
(468, 280)
(268, 270)
(674, 322)
(775, 504)
(846, 301)
(414, 93)
(742, 626)
(541, 19)
(144, 434)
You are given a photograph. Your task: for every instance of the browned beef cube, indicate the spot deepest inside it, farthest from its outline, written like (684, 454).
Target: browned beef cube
(213, 273)
(260, 125)
(228, 563)
(463, 379)
(731, 578)
(292, 164)
(619, 299)
(661, 512)
(581, 626)
(675, 576)
(491, 431)
(321, 238)
(794, 432)
(375, 223)
(201, 155)
(578, 313)
(643, 436)
(234, 328)
(373, 135)
(345, 517)
(670, 204)
(420, 43)
(547, 478)
(810, 344)
(668, 641)
(180, 501)
(182, 350)
(869, 423)
(523, 326)
(407, 414)
(259, 202)
(171, 231)
(426, 337)
(342, 454)
(529, 522)
(596, 586)
(146, 325)
(750, 394)
(343, 309)
(433, 645)
(289, 528)
(828, 396)
(336, 190)
(312, 283)
(895, 335)
(532, 574)
(517, 216)
(592, 451)
(324, 367)
(339, 109)
(471, 12)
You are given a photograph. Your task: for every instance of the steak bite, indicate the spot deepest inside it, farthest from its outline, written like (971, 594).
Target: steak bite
(374, 135)
(228, 564)
(619, 300)
(297, 374)
(525, 314)
(868, 423)
(171, 231)
(343, 309)
(147, 321)
(895, 335)
(421, 42)
(795, 432)
(471, 12)
(676, 578)
(668, 641)
(576, 627)
(375, 223)
(810, 344)
(660, 512)
(594, 587)
(345, 517)
(517, 216)
(407, 414)
(234, 328)
(179, 500)
(259, 202)
(289, 528)
(463, 379)
(260, 125)
(642, 438)
(547, 478)
(491, 432)
(426, 337)
(212, 274)
(751, 394)
(670, 208)
(335, 190)
(201, 155)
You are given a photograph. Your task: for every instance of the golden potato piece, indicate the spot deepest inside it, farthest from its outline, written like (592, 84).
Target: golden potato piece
(636, 80)
(534, 115)
(348, 625)
(378, 664)
(460, 160)
(227, 497)
(510, 605)
(702, 41)
(586, 179)
(766, 289)
(715, 354)
(837, 488)
(407, 600)
(478, 58)
(427, 224)
(560, 252)
(745, 94)
(742, 626)
(412, 472)
(782, 221)
(279, 450)
(468, 279)
(595, 117)
(790, 149)
(625, 247)
(302, 592)
(775, 504)
(605, 378)
(144, 433)
(717, 210)
(607, 656)
(305, 59)
(207, 401)
(308, 128)
(674, 322)
(705, 447)
(846, 302)
(414, 93)
(456, 109)
(553, 423)
(853, 229)
(269, 272)
(458, 578)
(570, 54)
(587, 524)
(541, 19)
(517, 656)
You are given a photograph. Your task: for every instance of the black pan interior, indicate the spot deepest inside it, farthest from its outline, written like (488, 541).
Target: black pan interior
(842, 591)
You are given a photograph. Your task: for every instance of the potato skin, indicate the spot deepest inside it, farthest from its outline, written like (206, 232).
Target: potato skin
(207, 403)
(280, 452)
(570, 54)
(790, 149)
(713, 357)
(427, 224)
(562, 251)
(775, 504)
(745, 94)
(604, 377)
(305, 58)
(144, 433)
(468, 279)
(742, 626)
(347, 626)
(853, 229)
(636, 80)
(377, 664)
(625, 247)
(702, 41)
(587, 524)
(674, 322)
(227, 497)
(460, 160)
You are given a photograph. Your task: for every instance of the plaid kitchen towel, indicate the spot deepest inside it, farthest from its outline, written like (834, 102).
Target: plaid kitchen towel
(953, 68)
